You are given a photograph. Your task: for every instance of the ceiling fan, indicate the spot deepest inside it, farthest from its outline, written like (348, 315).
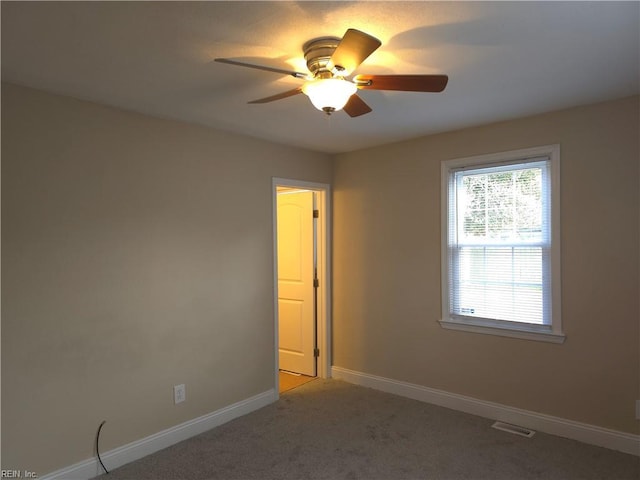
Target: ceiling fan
(331, 61)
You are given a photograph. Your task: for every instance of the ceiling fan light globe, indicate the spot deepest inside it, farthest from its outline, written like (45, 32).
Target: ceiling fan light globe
(329, 94)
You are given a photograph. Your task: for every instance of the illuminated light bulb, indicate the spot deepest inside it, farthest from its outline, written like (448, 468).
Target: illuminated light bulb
(329, 94)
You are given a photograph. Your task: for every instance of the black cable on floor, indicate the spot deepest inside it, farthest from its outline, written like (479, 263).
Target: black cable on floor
(98, 446)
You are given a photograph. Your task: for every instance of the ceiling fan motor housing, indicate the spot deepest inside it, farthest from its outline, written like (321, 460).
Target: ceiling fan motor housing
(317, 53)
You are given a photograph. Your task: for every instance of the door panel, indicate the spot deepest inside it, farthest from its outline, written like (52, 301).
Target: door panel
(295, 282)
(291, 326)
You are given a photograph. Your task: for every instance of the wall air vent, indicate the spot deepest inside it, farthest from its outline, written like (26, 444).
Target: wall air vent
(505, 427)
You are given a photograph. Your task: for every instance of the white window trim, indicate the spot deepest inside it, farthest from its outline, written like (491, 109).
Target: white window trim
(546, 333)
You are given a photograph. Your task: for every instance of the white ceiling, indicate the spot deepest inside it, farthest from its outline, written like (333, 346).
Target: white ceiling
(504, 60)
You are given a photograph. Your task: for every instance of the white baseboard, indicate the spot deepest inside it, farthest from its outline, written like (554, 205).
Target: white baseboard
(141, 448)
(602, 437)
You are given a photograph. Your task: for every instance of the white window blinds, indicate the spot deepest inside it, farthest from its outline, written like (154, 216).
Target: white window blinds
(499, 242)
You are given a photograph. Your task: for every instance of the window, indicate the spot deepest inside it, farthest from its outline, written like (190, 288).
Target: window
(501, 244)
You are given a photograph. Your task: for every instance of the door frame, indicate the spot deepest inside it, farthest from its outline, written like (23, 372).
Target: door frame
(323, 366)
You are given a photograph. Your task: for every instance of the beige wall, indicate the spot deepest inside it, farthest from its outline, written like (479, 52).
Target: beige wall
(136, 254)
(387, 270)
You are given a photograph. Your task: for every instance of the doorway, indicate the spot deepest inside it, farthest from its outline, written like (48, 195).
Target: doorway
(297, 279)
(302, 278)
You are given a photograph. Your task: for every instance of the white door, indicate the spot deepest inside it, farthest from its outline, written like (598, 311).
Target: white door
(296, 322)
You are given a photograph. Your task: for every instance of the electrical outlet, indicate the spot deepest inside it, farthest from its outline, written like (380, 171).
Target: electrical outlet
(179, 394)
(637, 409)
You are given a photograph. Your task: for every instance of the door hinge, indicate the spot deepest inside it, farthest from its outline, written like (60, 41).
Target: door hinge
(316, 283)
(316, 214)
(316, 352)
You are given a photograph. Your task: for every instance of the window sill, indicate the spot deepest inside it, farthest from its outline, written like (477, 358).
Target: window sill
(524, 332)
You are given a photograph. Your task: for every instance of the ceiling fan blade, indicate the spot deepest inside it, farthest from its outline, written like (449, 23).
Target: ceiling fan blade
(405, 83)
(356, 106)
(352, 50)
(262, 67)
(279, 96)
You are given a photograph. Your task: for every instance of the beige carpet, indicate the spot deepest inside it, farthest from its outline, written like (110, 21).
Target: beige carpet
(331, 430)
(289, 381)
